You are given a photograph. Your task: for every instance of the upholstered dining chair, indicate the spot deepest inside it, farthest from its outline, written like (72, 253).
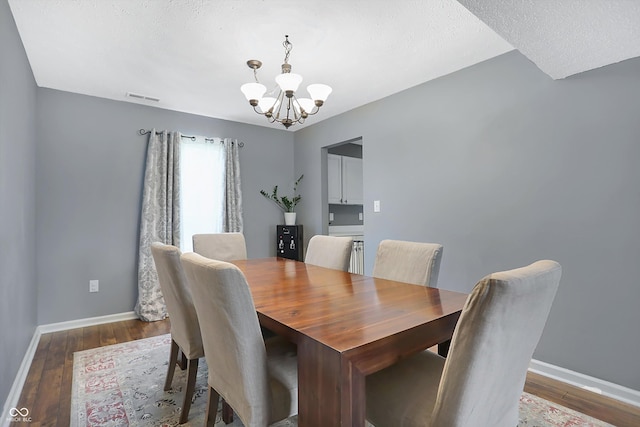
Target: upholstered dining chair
(258, 378)
(479, 384)
(224, 247)
(220, 246)
(329, 251)
(409, 262)
(185, 328)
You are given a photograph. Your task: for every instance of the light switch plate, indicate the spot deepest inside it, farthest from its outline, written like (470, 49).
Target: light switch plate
(376, 205)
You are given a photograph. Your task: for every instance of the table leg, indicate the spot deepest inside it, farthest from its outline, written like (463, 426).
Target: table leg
(331, 391)
(443, 348)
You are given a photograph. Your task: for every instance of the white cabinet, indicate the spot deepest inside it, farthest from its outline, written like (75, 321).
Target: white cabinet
(334, 176)
(344, 180)
(352, 192)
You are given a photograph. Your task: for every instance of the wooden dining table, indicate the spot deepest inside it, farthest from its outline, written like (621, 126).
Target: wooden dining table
(346, 326)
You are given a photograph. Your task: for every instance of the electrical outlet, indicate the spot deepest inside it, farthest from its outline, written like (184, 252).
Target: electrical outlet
(94, 285)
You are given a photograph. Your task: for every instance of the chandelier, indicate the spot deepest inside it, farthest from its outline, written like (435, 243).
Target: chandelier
(285, 107)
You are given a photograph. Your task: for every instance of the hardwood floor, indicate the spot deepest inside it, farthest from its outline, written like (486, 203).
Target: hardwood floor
(604, 408)
(47, 389)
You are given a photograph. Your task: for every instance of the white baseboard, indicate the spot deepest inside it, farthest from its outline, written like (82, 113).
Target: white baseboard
(593, 384)
(21, 376)
(91, 321)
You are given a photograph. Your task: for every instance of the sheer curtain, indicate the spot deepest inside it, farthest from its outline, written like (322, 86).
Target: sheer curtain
(202, 188)
(159, 218)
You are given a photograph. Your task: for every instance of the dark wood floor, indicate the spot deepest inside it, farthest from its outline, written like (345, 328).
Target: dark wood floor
(47, 389)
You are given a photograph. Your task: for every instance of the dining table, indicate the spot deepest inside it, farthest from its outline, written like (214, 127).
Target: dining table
(346, 326)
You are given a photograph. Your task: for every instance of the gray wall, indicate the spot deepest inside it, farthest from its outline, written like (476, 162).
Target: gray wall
(89, 172)
(504, 166)
(17, 202)
(345, 214)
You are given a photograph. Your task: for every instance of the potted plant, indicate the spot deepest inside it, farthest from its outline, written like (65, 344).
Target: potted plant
(286, 203)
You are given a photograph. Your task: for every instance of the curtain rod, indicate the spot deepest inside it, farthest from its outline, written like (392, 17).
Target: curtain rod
(193, 138)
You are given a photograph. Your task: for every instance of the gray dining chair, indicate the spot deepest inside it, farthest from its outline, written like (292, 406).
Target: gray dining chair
(480, 383)
(258, 378)
(185, 328)
(220, 246)
(224, 247)
(408, 262)
(329, 252)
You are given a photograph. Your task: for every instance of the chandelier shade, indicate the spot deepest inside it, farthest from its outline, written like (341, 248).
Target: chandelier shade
(289, 81)
(307, 104)
(267, 103)
(281, 104)
(253, 91)
(319, 92)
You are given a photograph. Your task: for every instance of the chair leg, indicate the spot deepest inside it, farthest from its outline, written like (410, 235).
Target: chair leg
(183, 361)
(173, 358)
(227, 412)
(212, 407)
(192, 371)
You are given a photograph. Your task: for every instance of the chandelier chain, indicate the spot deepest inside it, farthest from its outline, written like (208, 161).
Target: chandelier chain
(287, 48)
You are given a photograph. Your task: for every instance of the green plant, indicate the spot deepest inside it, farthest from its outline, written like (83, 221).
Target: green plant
(285, 203)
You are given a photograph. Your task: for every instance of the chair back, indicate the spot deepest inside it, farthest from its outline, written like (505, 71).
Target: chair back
(185, 329)
(329, 252)
(233, 344)
(498, 330)
(408, 262)
(220, 246)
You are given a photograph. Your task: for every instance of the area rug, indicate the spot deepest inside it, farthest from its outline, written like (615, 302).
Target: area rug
(122, 385)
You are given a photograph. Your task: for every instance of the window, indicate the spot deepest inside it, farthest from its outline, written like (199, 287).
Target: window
(202, 168)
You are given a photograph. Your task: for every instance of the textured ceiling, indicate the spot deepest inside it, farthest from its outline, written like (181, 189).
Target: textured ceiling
(191, 54)
(565, 37)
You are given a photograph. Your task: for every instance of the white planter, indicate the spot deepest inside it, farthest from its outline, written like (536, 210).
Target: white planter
(289, 218)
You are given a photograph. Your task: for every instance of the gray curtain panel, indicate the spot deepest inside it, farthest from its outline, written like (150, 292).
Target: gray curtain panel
(159, 219)
(233, 194)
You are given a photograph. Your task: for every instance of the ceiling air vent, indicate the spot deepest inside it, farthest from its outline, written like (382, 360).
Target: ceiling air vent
(144, 97)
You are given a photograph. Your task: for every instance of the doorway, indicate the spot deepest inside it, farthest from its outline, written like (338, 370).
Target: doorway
(343, 200)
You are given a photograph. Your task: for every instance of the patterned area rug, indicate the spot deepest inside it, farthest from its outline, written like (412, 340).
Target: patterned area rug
(122, 385)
